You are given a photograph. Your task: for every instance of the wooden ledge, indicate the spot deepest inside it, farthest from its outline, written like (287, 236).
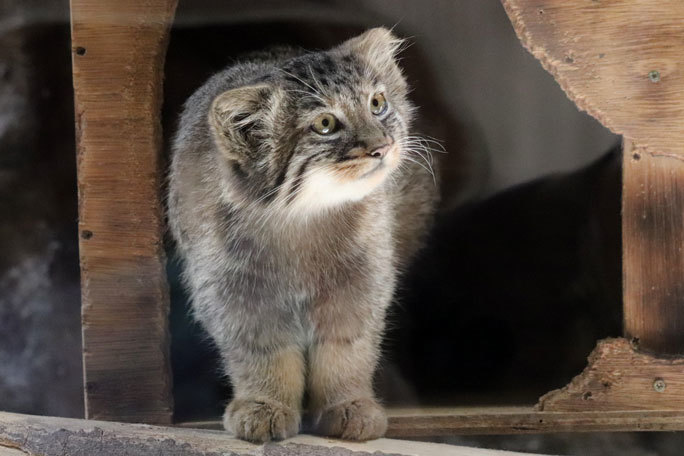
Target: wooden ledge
(48, 436)
(406, 423)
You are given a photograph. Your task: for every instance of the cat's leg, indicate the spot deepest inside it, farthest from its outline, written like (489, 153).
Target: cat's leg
(342, 361)
(341, 389)
(262, 350)
(268, 384)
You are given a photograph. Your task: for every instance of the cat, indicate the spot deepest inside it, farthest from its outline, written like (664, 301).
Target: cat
(296, 197)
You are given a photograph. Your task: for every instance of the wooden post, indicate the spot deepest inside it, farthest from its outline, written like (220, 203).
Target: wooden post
(653, 249)
(621, 62)
(118, 53)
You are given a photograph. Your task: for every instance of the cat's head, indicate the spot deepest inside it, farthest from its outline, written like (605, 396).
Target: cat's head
(323, 129)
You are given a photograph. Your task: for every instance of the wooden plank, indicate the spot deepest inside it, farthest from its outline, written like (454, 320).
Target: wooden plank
(10, 451)
(619, 60)
(445, 421)
(118, 55)
(620, 378)
(424, 423)
(653, 259)
(49, 436)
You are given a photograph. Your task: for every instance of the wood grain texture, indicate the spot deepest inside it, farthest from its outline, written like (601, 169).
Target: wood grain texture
(620, 378)
(118, 51)
(49, 436)
(602, 53)
(653, 259)
(408, 423)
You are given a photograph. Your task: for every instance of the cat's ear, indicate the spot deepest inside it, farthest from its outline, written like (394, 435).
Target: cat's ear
(379, 46)
(241, 120)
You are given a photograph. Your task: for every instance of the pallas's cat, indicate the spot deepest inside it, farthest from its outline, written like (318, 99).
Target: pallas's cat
(296, 197)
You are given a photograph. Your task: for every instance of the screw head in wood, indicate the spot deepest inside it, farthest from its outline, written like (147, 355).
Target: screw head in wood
(659, 385)
(654, 76)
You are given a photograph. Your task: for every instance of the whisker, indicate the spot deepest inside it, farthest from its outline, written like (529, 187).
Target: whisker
(269, 193)
(318, 84)
(428, 142)
(298, 79)
(426, 139)
(309, 94)
(413, 147)
(418, 163)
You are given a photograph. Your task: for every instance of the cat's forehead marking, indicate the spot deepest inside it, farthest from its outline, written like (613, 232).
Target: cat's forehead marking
(323, 72)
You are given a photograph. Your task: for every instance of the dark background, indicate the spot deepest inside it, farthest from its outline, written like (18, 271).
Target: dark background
(522, 274)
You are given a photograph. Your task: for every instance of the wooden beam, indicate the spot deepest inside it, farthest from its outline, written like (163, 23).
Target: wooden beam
(422, 422)
(653, 249)
(47, 436)
(118, 53)
(619, 60)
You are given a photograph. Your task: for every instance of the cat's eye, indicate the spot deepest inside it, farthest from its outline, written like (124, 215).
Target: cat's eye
(378, 104)
(325, 124)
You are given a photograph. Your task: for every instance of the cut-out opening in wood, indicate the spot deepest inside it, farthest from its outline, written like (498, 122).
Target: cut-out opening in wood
(631, 86)
(487, 349)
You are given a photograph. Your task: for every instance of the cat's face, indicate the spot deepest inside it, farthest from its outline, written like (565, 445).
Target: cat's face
(326, 128)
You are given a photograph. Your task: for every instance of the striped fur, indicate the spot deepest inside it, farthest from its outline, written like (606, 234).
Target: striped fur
(292, 241)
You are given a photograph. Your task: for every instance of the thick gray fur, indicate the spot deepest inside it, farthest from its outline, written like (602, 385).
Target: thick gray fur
(293, 241)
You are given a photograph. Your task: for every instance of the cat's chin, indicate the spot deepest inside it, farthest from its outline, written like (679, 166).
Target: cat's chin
(329, 190)
(349, 182)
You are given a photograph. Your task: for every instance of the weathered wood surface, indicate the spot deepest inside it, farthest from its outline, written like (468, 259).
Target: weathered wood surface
(445, 421)
(621, 61)
(620, 378)
(47, 436)
(653, 255)
(118, 53)
(604, 55)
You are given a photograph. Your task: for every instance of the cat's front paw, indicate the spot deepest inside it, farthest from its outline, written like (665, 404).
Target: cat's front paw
(358, 419)
(260, 420)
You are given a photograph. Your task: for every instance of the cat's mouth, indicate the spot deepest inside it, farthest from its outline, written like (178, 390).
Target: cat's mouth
(370, 167)
(350, 180)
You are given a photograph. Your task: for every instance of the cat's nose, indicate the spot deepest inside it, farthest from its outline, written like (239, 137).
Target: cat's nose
(379, 151)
